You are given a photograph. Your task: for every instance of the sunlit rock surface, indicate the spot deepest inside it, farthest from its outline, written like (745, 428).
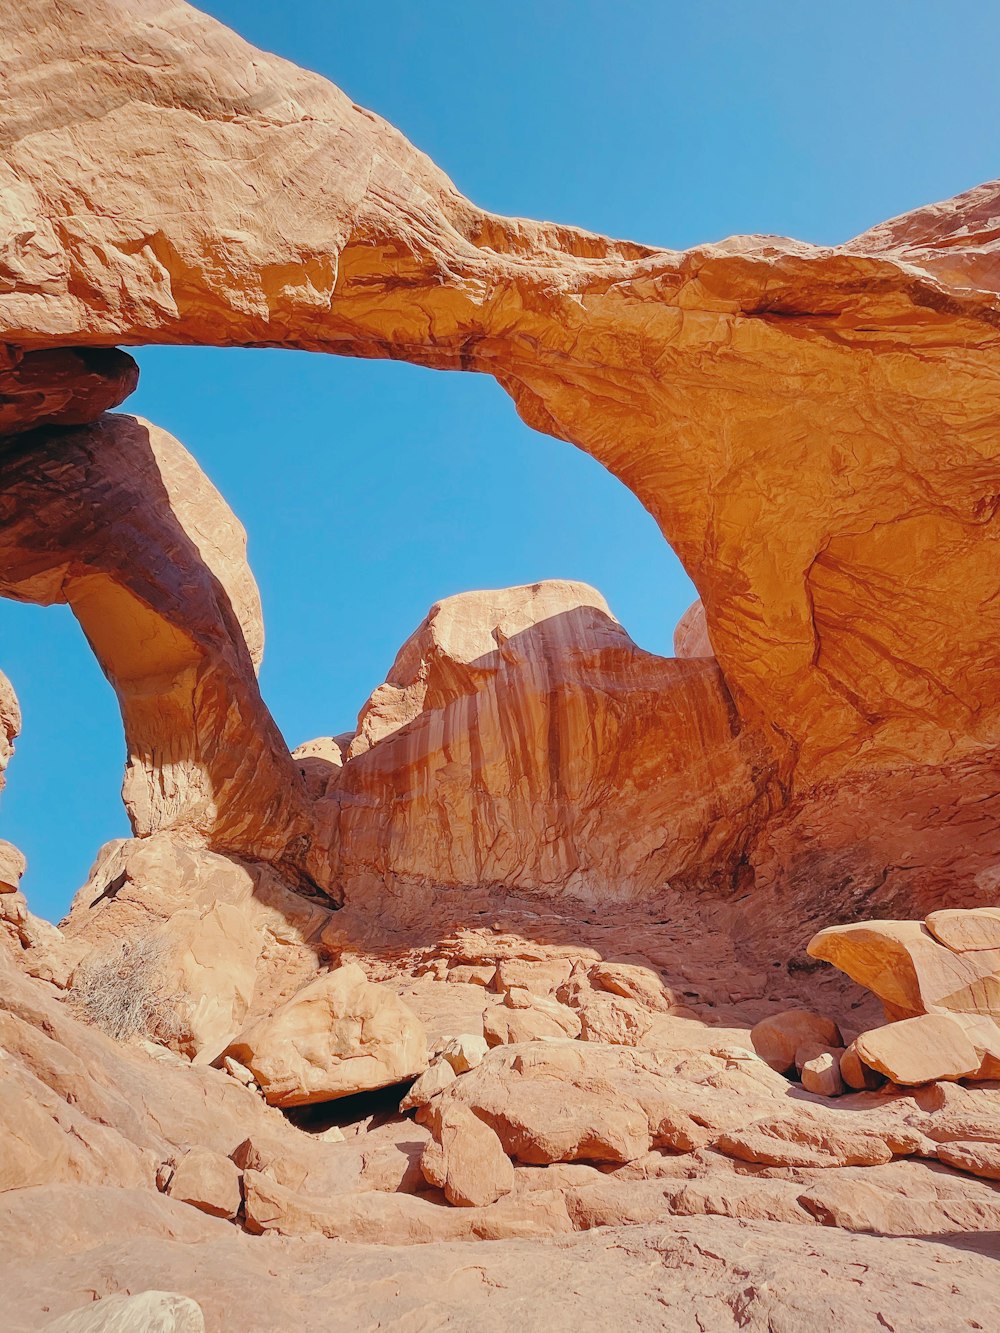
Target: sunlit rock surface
(606, 862)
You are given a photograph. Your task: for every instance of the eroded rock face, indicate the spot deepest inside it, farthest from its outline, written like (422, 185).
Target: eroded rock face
(523, 739)
(910, 970)
(10, 723)
(234, 939)
(814, 431)
(785, 431)
(119, 521)
(61, 386)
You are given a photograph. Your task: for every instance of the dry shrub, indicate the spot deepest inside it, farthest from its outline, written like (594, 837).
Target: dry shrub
(125, 990)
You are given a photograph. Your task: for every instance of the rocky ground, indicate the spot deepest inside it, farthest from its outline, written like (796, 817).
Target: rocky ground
(617, 1141)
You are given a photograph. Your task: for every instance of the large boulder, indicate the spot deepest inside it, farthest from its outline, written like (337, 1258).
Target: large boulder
(466, 1159)
(910, 970)
(337, 1036)
(779, 1038)
(207, 1181)
(919, 1050)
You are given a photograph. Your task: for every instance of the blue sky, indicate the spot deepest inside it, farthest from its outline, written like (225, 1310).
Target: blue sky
(369, 490)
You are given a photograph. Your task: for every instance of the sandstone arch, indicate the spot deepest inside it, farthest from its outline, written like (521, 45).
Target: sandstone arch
(783, 410)
(119, 521)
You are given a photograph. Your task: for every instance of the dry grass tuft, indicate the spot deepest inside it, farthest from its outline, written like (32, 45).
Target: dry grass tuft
(124, 990)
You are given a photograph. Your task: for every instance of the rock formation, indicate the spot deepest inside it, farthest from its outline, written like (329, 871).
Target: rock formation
(337, 1036)
(543, 911)
(118, 520)
(522, 739)
(779, 408)
(939, 983)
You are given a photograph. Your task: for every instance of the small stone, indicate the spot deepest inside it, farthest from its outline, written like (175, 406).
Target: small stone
(238, 1071)
(208, 1181)
(777, 1039)
(810, 1050)
(428, 1085)
(856, 1074)
(821, 1075)
(248, 1157)
(465, 1052)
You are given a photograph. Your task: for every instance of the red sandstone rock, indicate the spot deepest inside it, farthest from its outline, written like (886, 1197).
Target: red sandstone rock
(10, 723)
(979, 1159)
(208, 1181)
(843, 732)
(337, 1036)
(61, 386)
(551, 747)
(909, 970)
(856, 1074)
(118, 520)
(777, 1039)
(919, 1050)
(355, 264)
(12, 867)
(433, 1080)
(821, 1075)
(466, 1159)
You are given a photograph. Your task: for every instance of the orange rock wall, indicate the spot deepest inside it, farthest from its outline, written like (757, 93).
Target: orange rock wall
(814, 429)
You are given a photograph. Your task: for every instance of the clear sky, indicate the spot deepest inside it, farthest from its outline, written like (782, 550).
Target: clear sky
(369, 490)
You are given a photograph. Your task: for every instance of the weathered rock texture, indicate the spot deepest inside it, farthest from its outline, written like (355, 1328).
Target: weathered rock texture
(337, 1036)
(939, 979)
(61, 386)
(119, 521)
(813, 428)
(521, 738)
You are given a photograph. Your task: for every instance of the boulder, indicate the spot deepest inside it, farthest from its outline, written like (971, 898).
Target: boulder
(208, 1181)
(778, 1038)
(145, 1312)
(821, 1075)
(338, 1035)
(910, 970)
(432, 1081)
(563, 1101)
(984, 1033)
(919, 1050)
(466, 1159)
(465, 1051)
(12, 866)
